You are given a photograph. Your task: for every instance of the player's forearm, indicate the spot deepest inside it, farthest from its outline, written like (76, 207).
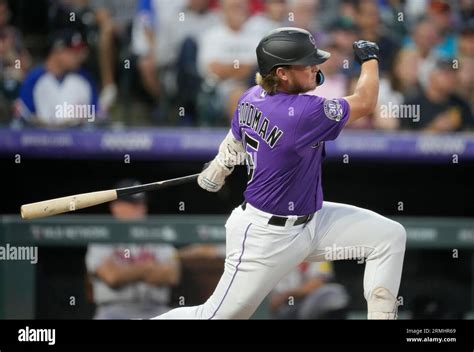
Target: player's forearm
(364, 100)
(367, 88)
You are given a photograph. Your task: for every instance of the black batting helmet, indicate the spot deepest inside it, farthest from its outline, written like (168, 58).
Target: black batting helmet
(288, 46)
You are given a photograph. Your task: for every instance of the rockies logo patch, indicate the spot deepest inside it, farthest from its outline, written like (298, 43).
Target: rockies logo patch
(333, 109)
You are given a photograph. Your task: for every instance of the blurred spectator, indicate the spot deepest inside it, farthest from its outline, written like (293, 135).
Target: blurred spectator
(132, 281)
(433, 37)
(185, 52)
(226, 60)
(14, 62)
(415, 9)
(114, 19)
(185, 31)
(335, 82)
(401, 82)
(328, 11)
(150, 42)
(75, 15)
(441, 110)
(466, 39)
(59, 93)
(392, 14)
(441, 15)
(347, 9)
(371, 28)
(465, 80)
(194, 16)
(404, 76)
(306, 293)
(343, 32)
(304, 15)
(275, 15)
(424, 38)
(466, 10)
(255, 6)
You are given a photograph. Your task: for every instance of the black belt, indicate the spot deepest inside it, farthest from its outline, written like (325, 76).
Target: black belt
(281, 220)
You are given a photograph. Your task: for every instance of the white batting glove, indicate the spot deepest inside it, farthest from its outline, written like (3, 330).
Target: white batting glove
(213, 177)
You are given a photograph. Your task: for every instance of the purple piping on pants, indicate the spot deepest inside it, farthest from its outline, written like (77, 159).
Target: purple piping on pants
(235, 273)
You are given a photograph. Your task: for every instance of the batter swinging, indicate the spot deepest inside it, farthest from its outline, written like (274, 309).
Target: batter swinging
(284, 219)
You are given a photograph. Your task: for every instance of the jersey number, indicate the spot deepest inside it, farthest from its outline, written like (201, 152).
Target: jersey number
(251, 148)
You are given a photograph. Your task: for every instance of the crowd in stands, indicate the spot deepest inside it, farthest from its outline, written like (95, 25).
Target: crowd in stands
(186, 62)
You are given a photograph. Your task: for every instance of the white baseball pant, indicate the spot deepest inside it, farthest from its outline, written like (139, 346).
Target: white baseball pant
(258, 255)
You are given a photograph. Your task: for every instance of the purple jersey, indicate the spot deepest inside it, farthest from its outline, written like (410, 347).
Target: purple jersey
(283, 135)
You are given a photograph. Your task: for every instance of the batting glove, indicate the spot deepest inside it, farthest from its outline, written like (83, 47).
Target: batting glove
(365, 51)
(212, 178)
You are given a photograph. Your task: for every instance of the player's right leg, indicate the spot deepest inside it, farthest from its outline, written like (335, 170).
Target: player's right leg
(347, 232)
(258, 256)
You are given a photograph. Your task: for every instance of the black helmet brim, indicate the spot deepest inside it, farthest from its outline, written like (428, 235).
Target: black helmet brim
(315, 58)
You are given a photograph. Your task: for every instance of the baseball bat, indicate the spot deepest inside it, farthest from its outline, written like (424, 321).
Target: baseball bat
(84, 200)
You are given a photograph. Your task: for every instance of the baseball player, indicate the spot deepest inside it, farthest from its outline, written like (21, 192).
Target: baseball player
(284, 220)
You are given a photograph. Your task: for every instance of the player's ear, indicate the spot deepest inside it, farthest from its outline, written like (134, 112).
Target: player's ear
(281, 73)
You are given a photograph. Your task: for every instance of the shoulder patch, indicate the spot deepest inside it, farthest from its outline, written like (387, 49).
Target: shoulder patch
(333, 109)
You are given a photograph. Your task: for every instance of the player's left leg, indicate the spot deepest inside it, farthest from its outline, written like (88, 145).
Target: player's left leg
(258, 256)
(347, 232)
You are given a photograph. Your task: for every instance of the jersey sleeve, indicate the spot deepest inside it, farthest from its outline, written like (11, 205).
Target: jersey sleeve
(321, 120)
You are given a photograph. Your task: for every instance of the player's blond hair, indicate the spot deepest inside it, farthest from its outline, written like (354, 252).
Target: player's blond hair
(270, 82)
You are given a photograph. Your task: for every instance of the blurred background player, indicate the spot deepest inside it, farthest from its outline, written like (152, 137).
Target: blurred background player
(307, 293)
(132, 281)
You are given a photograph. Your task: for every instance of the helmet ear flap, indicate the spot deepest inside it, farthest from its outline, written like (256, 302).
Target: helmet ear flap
(319, 78)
